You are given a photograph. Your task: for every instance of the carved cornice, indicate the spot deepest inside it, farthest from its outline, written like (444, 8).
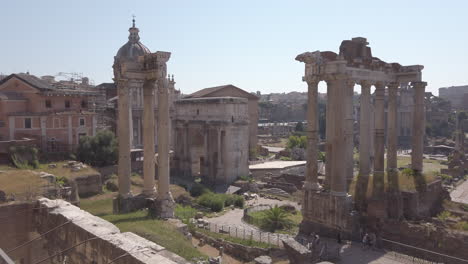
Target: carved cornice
(419, 85)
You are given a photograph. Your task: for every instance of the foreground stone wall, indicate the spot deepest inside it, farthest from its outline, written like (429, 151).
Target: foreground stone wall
(89, 239)
(430, 237)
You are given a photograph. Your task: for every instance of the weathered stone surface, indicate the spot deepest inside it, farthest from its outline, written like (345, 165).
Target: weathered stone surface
(297, 253)
(263, 260)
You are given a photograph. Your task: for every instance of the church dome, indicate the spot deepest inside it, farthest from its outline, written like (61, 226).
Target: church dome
(133, 48)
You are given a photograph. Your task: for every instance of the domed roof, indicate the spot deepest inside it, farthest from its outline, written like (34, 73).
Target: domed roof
(133, 48)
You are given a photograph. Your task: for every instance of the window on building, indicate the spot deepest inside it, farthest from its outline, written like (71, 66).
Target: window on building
(27, 122)
(67, 103)
(48, 103)
(84, 104)
(82, 121)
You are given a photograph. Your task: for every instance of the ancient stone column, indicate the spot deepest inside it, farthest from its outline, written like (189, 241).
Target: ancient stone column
(338, 84)
(364, 147)
(418, 127)
(123, 134)
(392, 134)
(378, 177)
(395, 202)
(364, 130)
(349, 127)
(164, 198)
(148, 138)
(311, 181)
(328, 139)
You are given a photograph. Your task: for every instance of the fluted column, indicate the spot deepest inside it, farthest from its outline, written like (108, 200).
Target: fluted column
(337, 84)
(378, 177)
(148, 138)
(123, 130)
(418, 127)
(349, 127)
(392, 127)
(164, 194)
(364, 130)
(311, 182)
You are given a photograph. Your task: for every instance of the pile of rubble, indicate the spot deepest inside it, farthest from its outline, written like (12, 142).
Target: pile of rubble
(74, 165)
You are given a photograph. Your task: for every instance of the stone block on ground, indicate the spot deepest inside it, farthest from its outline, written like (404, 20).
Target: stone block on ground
(297, 253)
(263, 260)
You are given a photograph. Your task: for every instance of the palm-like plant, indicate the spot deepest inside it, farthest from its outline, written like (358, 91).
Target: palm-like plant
(276, 218)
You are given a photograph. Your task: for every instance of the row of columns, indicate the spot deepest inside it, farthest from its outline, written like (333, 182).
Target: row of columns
(339, 133)
(124, 119)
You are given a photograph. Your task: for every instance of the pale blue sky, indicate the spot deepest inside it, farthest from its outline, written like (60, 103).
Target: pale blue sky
(251, 44)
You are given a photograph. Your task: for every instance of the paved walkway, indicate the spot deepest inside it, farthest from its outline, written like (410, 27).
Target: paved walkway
(231, 222)
(460, 194)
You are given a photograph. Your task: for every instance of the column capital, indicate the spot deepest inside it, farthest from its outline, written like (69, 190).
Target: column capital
(380, 85)
(393, 85)
(350, 82)
(419, 84)
(335, 76)
(149, 84)
(365, 83)
(311, 79)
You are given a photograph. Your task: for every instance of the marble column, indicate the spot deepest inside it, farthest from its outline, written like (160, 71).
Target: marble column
(337, 114)
(311, 181)
(123, 130)
(378, 177)
(418, 126)
(395, 201)
(392, 134)
(328, 138)
(148, 138)
(362, 183)
(164, 196)
(364, 130)
(349, 127)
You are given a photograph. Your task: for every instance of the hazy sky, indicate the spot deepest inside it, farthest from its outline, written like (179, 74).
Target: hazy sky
(251, 44)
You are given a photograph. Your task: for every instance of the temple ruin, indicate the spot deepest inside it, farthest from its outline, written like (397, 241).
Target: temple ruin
(328, 207)
(135, 67)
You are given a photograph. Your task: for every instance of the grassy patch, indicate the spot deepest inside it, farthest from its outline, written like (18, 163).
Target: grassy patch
(245, 242)
(158, 231)
(21, 182)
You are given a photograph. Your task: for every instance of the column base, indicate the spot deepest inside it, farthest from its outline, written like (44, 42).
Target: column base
(312, 186)
(377, 207)
(327, 211)
(123, 205)
(149, 192)
(164, 206)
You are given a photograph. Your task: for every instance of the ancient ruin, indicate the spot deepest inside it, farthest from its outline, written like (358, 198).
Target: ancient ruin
(328, 208)
(136, 67)
(210, 139)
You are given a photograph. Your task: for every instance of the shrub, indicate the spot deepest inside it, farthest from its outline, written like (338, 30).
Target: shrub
(444, 215)
(408, 172)
(285, 158)
(211, 200)
(239, 201)
(197, 190)
(184, 212)
(24, 157)
(99, 150)
(297, 141)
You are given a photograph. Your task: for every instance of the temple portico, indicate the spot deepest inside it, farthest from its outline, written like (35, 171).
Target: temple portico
(136, 67)
(329, 207)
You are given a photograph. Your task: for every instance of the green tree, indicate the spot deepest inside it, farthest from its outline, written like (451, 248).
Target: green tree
(297, 141)
(276, 218)
(99, 150)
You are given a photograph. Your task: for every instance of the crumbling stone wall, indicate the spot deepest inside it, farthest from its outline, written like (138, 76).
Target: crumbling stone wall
(101, 241)
(428, 236)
